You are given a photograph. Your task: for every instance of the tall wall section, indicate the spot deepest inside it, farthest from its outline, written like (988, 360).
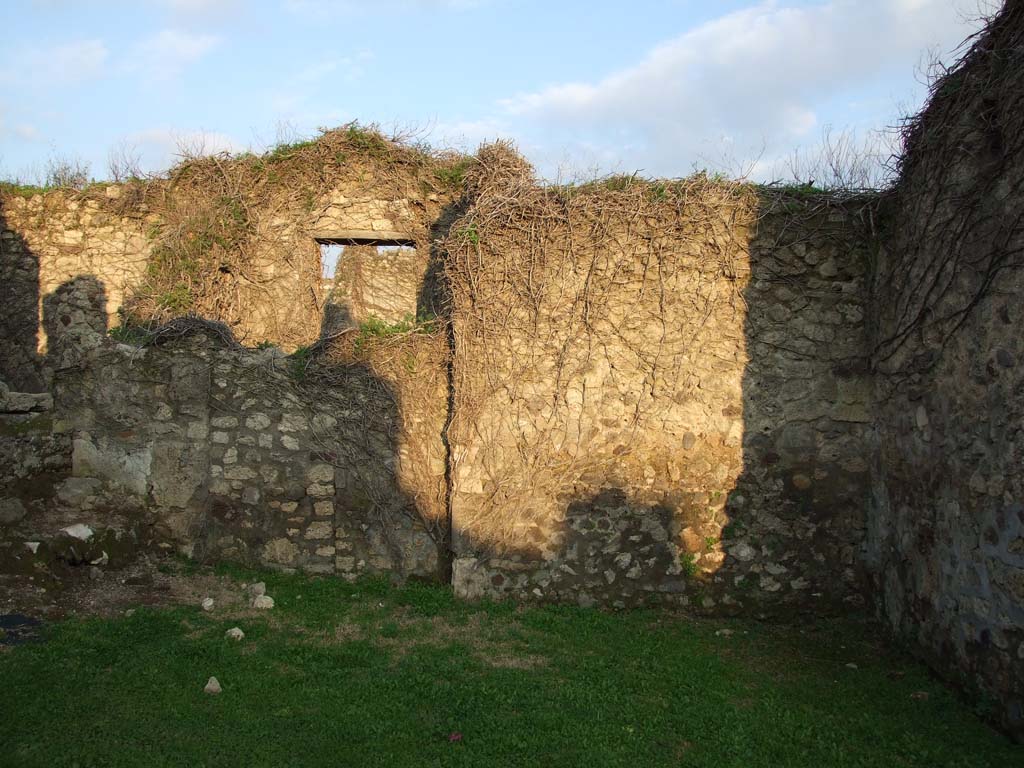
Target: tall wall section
(660, 393)
(946, 533)
(229, 239)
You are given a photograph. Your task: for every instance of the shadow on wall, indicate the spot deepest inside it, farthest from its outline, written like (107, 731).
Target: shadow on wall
(434, 298)
(736, 482)
(337, 318)
(797, 514)
(425, 496)
(339, 506)
(305, 462)
(21, 366)
(74, 320)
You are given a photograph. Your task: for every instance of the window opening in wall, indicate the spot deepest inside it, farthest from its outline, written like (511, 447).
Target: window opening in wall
(332, 251)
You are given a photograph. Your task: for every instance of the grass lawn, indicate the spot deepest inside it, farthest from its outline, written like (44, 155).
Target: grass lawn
(367, 674)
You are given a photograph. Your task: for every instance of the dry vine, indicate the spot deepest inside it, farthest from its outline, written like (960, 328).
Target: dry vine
(952, 228)
(231, 235)
(549, 283)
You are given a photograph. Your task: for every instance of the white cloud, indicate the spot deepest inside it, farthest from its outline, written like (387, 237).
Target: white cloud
(164, 55)
(760, 75)
(26, 132)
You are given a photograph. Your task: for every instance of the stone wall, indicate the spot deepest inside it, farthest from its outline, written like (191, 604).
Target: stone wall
(672, 408)
(110, 233)
(295, 297)
(947, 515)
(226, 453)
(47, 240)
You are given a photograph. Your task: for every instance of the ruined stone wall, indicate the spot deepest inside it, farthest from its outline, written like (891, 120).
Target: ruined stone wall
(47, 240)
(289, 305)
(32, 460)
(947, 515)
(267, 287)
(195, 443)
(658, 398)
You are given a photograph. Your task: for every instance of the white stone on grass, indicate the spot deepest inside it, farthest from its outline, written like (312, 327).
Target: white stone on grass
(258, 588)
(207, 604)
(235, 633)
(212, 686)
(263, 602)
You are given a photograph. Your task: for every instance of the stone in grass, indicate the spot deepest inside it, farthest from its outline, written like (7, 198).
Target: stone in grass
(257, 589)
(262, 602)
(212, 687)
(235, 633)
(207, 604)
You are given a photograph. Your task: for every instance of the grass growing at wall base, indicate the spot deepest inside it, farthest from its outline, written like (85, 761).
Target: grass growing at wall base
(368, 675)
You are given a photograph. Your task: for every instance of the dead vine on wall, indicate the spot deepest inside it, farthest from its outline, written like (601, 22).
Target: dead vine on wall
(231, 234)
(948, 236)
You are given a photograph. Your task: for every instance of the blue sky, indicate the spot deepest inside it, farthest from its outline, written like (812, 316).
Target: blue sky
(661, 86)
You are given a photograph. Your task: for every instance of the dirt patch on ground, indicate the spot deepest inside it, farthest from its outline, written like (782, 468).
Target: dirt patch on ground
(165, 582)
(403, 632)
(149, 582)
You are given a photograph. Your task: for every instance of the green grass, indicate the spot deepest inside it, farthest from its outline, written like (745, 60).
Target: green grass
(135, 335)
(298, 362)
(453, 175)
(375, 328)
(369, 675)
(17, 189)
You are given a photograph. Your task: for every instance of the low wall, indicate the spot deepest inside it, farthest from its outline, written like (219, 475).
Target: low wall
(249, 455)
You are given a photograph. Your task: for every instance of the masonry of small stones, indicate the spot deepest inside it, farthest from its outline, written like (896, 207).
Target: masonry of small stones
(832, 422)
